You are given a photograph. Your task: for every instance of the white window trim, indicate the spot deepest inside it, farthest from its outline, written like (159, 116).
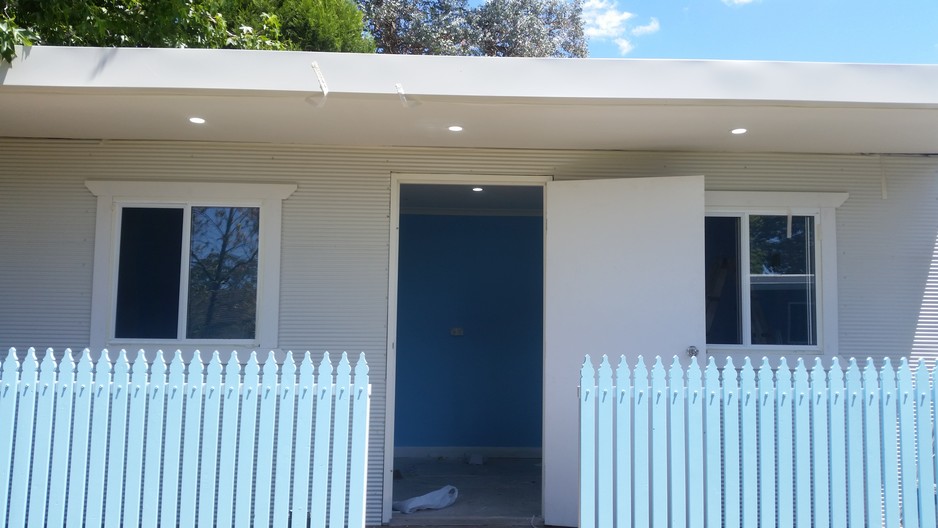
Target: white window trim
(112, 195)
(823, 207)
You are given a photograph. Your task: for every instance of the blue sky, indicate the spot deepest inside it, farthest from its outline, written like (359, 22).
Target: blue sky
(868, 31)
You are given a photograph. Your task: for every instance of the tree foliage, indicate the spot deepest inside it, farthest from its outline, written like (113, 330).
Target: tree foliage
(501, 28)
(529, 28)
(314, 25)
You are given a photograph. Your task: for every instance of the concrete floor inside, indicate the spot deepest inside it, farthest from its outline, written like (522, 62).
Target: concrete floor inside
(497, 492)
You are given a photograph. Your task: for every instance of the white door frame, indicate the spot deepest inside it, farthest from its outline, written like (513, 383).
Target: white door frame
(398, 178)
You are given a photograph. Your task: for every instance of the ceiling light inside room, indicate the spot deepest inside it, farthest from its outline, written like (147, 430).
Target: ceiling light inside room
(738, 131)
(477, 189)
(455, 128)
(196, 120)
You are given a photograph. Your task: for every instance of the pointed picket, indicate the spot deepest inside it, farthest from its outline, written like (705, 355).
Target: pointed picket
(676, 441)
(175, 397)
(321, 466)
(802, 410)
(905, 393)
(61, 440)
(588, 463)
(604, 399)
(890, 466)
(24, 436)
(194, 393)
(855, 492)
(766, 406)
(695, 446)
(228, 452)
(81, 430)
(624, 432)
(358, 478)
(98, 459)
(265, 442)
(641, 432)
(659, 443)
(838, 444)
(819, 439)
(924, 431)
(748, 400)
(303, 443)
(211, 425)
(133, 476)
(340, 444)
(156, 395)
(117, 446)
(934, 445)
(9, 383)
(731, 455)
(42, 440)
(872, 445)
(285, 438)
(785, 416)
(713, 404)
(246, 441)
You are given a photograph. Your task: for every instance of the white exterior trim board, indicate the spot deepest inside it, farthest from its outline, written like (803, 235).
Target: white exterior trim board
(267, 197)
(819, 204)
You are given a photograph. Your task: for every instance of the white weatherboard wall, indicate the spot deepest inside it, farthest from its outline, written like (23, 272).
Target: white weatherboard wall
(335, 234)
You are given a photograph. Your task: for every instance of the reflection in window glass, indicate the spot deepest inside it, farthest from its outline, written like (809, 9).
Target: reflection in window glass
(782, 280)
(223, 273)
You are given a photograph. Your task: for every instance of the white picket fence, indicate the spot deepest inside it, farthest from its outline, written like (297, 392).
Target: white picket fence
(768, 447)
(108, 443)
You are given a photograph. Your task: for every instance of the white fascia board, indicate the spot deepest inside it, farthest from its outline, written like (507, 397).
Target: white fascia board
(616, 81)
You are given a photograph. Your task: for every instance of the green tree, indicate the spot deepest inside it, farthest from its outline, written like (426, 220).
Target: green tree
(315, 25)
(325, 25)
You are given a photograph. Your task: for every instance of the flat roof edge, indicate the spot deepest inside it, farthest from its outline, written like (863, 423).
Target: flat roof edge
(76, 69)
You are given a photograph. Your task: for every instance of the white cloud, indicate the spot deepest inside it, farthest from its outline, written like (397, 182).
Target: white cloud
(624, 45)
(647, 29)
(737, 2)
(604, 19)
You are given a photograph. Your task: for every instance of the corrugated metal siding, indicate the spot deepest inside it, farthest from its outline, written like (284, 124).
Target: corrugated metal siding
(335, 234)
(46, 249)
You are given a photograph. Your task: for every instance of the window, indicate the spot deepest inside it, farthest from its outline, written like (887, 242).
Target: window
(187, 262)
(775, 257)
(770, 274)
(206, 292)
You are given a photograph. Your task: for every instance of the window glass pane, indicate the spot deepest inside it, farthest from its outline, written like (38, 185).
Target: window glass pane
(148, 273)
(782, 277)
(721, 253)
(223, 273)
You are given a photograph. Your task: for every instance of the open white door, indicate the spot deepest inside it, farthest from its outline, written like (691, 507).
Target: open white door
(624, 274)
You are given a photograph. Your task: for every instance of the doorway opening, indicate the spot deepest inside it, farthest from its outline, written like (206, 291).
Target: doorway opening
(469, 351)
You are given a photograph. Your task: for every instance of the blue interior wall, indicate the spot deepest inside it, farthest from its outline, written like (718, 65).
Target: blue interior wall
(483, 274)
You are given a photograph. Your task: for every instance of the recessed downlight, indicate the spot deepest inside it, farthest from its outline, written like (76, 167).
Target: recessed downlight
(197, 120)
(738, 131)
(477, 189)
(455, 128)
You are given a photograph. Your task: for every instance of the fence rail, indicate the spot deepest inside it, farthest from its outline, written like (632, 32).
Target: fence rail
(108, 443)
(767, 447)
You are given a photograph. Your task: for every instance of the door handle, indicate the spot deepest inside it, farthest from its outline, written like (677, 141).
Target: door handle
(692, 351)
